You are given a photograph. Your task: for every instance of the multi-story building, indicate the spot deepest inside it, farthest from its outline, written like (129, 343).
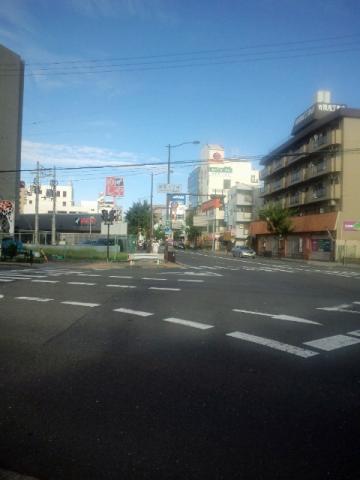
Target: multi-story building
(209, 186)
(11, 103)
(218, 174)
(64, 199)
(316, 173)
(239, 212)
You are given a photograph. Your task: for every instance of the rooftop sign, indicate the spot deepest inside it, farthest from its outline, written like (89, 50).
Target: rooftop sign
(315, 112)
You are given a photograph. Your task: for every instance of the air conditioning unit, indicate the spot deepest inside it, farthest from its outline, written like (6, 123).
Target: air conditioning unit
(332, 203)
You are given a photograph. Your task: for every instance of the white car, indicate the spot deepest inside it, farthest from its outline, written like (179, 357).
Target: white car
(241, 251)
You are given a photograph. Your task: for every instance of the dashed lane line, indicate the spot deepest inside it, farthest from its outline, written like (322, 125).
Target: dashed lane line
(121, 286)
(157, 279)
(188, 323)
(190, 281)
(81, 283)
(165, 289)
(45, 281)
(35, 299)
(139, 313)
(121, 276)
(81, 304)
(288, 318)
(332, 343)
(284, 347)
(6, 280)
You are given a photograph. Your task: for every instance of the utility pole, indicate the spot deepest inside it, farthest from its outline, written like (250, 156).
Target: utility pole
(54, 194)
(151, 206)
(37, 188)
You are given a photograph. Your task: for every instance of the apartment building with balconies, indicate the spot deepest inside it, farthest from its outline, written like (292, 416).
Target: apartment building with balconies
(316, 173)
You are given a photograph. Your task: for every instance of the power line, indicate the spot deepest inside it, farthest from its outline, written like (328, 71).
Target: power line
(239, 159)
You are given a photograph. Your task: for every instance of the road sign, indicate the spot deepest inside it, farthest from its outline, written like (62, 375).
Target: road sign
(168, 188)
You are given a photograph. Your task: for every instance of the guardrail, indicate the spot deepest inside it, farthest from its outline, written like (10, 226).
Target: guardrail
(158, 257)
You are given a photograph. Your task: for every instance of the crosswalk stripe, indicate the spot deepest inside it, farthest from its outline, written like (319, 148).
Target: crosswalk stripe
(284, 347)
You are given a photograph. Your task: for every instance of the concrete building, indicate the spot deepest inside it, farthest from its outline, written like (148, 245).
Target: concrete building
(11, 103)
(316, 173)
(239, 213)
(218, 175)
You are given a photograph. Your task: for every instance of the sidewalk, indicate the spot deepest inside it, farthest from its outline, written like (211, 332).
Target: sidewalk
(353, 266)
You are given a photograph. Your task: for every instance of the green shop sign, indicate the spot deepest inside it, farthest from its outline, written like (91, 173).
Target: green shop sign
(220, 170)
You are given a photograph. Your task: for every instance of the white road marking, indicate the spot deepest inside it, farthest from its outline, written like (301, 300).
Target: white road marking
(133, 312)
(82, 304)
(333, 342)
(81, 283)
(165, 288)
(1, 296)
(340, 308)
(202, 274)
(284, 347)
(188, 323)
(89, 275)
(45, 281)
(356, 333)
(159, 279)
(288, 318)
(121, 286)
(6, 280)
(190, 281)
(120, 276)
(35, 299)
(13, 278)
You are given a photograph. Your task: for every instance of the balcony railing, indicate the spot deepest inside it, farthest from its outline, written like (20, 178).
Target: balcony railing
(243, 216)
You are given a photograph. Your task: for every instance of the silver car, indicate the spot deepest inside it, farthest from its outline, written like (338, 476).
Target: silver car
(241, 251)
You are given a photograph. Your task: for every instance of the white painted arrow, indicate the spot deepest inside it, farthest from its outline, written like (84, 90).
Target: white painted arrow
(288, 318)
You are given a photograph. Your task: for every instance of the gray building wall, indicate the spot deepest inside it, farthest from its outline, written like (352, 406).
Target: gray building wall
(11, 103)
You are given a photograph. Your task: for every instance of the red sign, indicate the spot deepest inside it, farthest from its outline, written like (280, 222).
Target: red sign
(114, 186)
(211, 204)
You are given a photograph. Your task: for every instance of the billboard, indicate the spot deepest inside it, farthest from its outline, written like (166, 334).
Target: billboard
(7, 216)
(114, 187)
(177, 206)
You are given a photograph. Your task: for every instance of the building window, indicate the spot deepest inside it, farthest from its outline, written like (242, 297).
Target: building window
(253, 179)
(58, 193)
(227, 184)
(64, 204)
(30, 202)
(64, 193)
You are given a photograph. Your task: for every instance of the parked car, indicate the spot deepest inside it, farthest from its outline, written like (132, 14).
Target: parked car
(241, 251)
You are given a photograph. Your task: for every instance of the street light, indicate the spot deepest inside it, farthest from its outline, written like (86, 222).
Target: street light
(169, 147)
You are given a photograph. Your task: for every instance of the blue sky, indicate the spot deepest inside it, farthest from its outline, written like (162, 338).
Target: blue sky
(122, 113)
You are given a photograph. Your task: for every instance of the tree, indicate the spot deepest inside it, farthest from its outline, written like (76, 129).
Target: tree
(193, 233)
(138, 218)
(277, 218)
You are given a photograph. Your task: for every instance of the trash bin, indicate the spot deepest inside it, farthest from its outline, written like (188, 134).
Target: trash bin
(171, 256)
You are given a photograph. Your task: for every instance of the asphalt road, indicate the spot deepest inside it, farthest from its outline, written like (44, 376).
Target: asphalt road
(219, 368)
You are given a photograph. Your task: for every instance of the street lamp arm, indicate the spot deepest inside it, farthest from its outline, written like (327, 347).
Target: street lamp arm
(194, 142)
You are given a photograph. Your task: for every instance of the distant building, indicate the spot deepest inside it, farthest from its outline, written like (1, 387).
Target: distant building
(317, 174)
(11, 104)
(218, 174)
(209, 186)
